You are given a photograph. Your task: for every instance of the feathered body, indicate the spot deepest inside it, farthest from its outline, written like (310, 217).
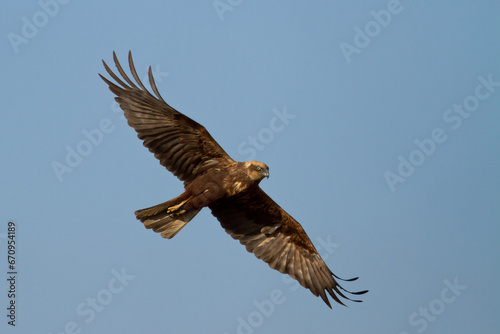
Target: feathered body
(230, 189)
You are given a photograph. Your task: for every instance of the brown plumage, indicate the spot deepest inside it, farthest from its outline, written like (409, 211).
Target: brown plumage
(212, 179)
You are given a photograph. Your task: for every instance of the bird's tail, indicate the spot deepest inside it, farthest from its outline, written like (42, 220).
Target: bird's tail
(168, 218)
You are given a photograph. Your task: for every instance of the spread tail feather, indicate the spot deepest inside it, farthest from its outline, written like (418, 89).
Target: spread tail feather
(167, 218)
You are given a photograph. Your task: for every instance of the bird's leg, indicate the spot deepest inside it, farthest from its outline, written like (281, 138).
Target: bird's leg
(177, 206)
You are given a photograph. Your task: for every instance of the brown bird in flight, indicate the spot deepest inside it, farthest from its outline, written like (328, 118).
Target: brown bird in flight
(230, 189)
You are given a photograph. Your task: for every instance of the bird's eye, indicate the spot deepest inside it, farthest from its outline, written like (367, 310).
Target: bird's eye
(258, 168)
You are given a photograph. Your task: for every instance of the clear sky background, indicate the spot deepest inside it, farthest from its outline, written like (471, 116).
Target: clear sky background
(389, 156)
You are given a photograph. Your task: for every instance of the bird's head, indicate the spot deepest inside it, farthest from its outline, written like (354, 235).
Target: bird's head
(257, 170)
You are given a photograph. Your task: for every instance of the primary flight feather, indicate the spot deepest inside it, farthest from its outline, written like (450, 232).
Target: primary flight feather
(230, 189)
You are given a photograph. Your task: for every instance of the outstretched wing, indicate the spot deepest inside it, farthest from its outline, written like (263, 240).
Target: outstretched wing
(182, 145)
(275, 237)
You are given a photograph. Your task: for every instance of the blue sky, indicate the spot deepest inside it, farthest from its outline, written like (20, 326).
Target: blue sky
(379, 121)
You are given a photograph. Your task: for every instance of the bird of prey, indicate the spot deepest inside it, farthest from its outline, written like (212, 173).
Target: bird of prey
(230, 189)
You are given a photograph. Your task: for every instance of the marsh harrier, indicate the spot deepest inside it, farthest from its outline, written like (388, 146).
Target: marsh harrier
(230, 189)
